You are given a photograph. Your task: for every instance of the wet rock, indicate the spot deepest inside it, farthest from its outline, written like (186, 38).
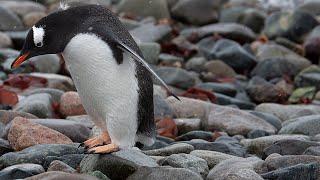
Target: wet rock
(261, 91)
(70, 104)
(308, 77)
(219, 69)
(256, 146)
(296, 172)
(49, 63)
(205, 135)
(212, 157)
(57, 81)
(23, 133)
(307, 125)
(292, 25)
(117, 165)
(23, 7)
(150, 32)
(57, 165)
(159, 173)
(36, 154)
(223, 88)
(302, 94)
(185, 125)
(39, 105)
(236, 168)
(172, 149)
(270, 118)
(228, 119)
(9, 20)
(176, 77)
(187, 161)
(154, 8)
(32, 18)
(5, 41)
(196, 12)
(150, 52)
(196, 64)
(289, 147)
(21, 171)
(52, 175)
(232, 31)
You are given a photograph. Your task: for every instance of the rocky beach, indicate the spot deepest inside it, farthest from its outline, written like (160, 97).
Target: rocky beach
(247, 73)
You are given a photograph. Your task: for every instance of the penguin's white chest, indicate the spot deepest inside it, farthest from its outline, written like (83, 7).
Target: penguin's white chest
(108, 90)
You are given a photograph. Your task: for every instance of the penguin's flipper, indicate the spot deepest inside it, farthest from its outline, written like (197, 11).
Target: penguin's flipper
(134, 55)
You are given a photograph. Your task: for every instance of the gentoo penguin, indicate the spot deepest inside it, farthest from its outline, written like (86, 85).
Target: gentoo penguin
(107, 67)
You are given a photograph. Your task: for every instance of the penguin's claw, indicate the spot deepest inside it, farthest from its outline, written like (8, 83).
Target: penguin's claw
(105, 149)
(97, 141)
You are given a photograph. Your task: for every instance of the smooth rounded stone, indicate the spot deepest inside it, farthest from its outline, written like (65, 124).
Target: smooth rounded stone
(311, 7)
(261, 91)
(154, 8)
(187, 161)
(308, 125)
(172, 149)
(237, 32)
(99, 175)
(23, 7)
(21, 171)
(223, 88)
(5, 41)
(311, 44)
(70, 104)
(117, 165)
(150, 51)
(234, 121)
(308, 77)
(159, 91)
(313, 150)
(76, 131)
(289, 147)
(54, 175)
(17, 37)
(257, 145)
(226, 100)
(5, 147)
(286, 112)
(150, 32)
(270, 118)
(156, 145)
(54, 93)
(72, 160)
(49, 63)
(196, 12)
(57, 81)
(277, 68)
(212, 157)
(24, 133)
(8, 53)
(161, 108)
(170, 60)
(9, 20)
(219, 69)
(296, 172)
(32, 18)
(57, 165)
(37, 154)
(225, 50)
(236, 169)
(186, 125)
(196, 64)
(205, 135)
(160, 173)
(83, 119)
(39, 105)
(291, 25)
(176, 77)
(190, 108)
(256, 133)
(250, 17)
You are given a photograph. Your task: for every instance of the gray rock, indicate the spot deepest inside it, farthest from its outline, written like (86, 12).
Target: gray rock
(236, 169)
(23, 7)
(83, 119)
(205, 135)
(296, 172)
(54, 175)
(5, 41)
(311, 44)
(308, 77)
(212, 157)
(196, 12)
(21, 171)
(270, 118)
(289, 147)
(311, 7)
(170, 60)
(150, 32)
(176, 77)
(72, 160)
(256, 133)
(57, 81)
(36, 154)
(99, 175)
(55, 93)
(46, 63)
(39, 105)
(187, 161)
(155, 8)
(308, 125)
(172, 149)
(9, 21)
(17, 37)
(186, 125)
(164, 173)
(57, 165)
(150, 51)
(226, 100)
(219, 68)
(4, 147)
(223, 88)
(196, 64)
(161, 108)
(117, 165)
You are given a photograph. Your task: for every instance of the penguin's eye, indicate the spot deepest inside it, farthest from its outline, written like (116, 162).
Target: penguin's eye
(39, 44)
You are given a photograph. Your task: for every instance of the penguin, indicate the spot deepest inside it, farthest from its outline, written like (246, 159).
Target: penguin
(108, 69)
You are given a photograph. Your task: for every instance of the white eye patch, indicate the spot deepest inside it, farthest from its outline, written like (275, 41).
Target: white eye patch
(38, 35)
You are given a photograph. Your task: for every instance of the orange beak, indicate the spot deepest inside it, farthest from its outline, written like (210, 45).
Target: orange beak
(16, 63)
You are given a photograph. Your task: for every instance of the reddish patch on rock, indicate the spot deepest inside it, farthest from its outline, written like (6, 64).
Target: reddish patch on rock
(24, 81)
(8, 97)
(70, 104)
(167, 127)
(197, 93)
(24, 133)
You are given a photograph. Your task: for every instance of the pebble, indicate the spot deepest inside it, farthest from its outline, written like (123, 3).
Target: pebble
(57, 81)
(70, 104)
(176, 77)
(23, 7)
(186, 125)
(150, 32)
(57, 165)
(308, 77)
(5, 41)
(150, 51)
(223, 88)
(212, 157)
(161, 108)
(54, 93)
(233, 102)
(21, 171)
(219, 68)
(32, 18)
(172, 149)
(205, 135)
(9, 20)
(196, 64)
(52, 175)
(49, 63)
(72, 160)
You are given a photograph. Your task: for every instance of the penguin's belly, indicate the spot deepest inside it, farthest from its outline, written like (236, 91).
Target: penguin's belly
(108, 90)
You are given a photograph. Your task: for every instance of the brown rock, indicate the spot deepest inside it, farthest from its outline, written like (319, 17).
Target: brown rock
(7, 116)
(57, 165)
(70, 104)
(32, 18)
(24, 133)
(219, 68)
